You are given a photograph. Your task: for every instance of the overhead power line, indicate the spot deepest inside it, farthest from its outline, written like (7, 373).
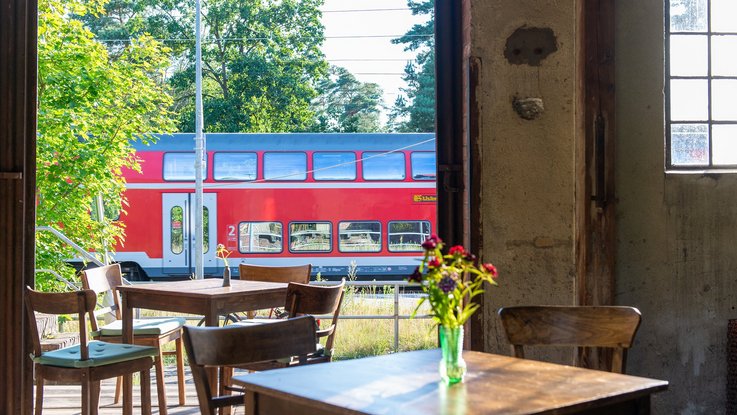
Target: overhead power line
(366, 10)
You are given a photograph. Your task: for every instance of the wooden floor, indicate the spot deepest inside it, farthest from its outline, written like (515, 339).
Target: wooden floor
(64, 399)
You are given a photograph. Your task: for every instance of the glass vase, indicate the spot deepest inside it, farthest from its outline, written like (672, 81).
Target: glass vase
(226, 277)
(452, 366)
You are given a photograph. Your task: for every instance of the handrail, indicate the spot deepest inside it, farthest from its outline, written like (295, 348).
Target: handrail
(58, 276)
(71, 243)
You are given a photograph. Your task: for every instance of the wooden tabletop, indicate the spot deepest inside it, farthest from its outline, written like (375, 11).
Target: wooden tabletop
(212, 287)
(409, 383)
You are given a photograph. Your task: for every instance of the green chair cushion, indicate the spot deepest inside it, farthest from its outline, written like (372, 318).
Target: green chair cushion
(101, 354)
(150, 327)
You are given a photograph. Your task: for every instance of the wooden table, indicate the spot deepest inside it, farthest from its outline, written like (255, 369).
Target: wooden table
(408, 383)
(203, 297)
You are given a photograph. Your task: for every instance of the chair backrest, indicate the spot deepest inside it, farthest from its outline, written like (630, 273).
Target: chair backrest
(317, 299)
(104, 280)
(75, 302)
(285, 274)
(581, 326)
(236, 345)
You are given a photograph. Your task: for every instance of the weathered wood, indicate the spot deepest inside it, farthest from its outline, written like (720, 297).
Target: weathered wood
(237, 345)
(105, 280)
(408, 383)
(18, 68)
(605, 326)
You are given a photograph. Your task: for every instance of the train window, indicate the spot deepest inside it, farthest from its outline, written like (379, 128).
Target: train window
(176, 230)
(205, 229)
(180, 167)
(310, 236)
(359, 237)
(423, 165)
(285, 166)
(264, 237)
(408, 235)
(383, 166)
(234, 166)
(334, 166)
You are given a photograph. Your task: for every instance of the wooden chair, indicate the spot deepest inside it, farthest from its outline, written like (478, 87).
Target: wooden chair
(238, 345)
(87, 362)
(582, 326)
(305, 299)
(149, 332)
(285, 274)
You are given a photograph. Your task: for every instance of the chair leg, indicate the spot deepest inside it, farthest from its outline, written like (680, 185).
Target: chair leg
(160, 389)
(39, 391)
(146, 394)
(118, 389)
(180, 371)
(86, 390)
(94, 397)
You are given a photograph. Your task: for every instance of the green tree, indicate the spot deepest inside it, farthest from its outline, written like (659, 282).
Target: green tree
(261, 58)
(416, 112)
(346, 105)
(90, 108)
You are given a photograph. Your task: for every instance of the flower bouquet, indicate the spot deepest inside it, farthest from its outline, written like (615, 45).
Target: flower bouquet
(451, 281)
(222, 253)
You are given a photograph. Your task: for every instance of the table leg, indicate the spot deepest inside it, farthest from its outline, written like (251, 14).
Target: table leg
(127, 338)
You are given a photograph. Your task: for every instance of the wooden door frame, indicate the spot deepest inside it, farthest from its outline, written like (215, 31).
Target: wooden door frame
(18, 68)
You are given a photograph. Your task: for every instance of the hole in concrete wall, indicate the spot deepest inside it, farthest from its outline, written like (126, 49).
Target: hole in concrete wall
(530, 45)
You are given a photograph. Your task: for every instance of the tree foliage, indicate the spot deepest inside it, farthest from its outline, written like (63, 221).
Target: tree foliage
(261, 58)
(416, 112)
(90, 108)
(346, 105)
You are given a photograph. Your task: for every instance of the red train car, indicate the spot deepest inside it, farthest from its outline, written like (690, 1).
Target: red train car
(276, 199)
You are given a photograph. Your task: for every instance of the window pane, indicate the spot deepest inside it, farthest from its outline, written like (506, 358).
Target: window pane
(724, 142)
(359, 237)
(383, 166)
(423, 165)
(265, 237)
(688, 100)
(334, 166)
(688, 15)
(724, 55)
(176, 228)
(408, 235)
(285, 166)
(688, 55)
(310, 237)
(180, 166)
(234, 166)
(723, 14)
(689, 144)
(723, 93)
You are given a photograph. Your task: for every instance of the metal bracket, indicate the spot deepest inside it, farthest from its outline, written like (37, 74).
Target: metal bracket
(450, 170)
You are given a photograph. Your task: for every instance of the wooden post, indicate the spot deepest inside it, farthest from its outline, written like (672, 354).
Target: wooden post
(18, 27)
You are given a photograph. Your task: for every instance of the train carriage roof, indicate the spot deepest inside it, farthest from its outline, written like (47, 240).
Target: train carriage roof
(293, 142)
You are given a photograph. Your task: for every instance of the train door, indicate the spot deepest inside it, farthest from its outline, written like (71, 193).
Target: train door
(179, 239)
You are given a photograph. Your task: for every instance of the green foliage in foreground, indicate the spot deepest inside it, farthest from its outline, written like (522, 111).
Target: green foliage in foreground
(90, 108)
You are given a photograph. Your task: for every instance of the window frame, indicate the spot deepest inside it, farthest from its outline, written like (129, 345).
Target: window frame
(709, 77)
(378, 154)
(215, 165)
(281, 245)
(380, 232)
(288, 179)
(194, 173)
(389, 233)
(330, 238)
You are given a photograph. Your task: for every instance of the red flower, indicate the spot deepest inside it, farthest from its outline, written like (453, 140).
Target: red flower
(457, 250)
(434, 263)
(431, 242)
(491, 269)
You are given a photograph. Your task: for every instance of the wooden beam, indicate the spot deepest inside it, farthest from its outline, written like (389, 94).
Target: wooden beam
(18, 27)
(595, 204)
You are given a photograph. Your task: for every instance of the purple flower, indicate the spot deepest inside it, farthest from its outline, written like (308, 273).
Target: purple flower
(416, 276)
(447, 284)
